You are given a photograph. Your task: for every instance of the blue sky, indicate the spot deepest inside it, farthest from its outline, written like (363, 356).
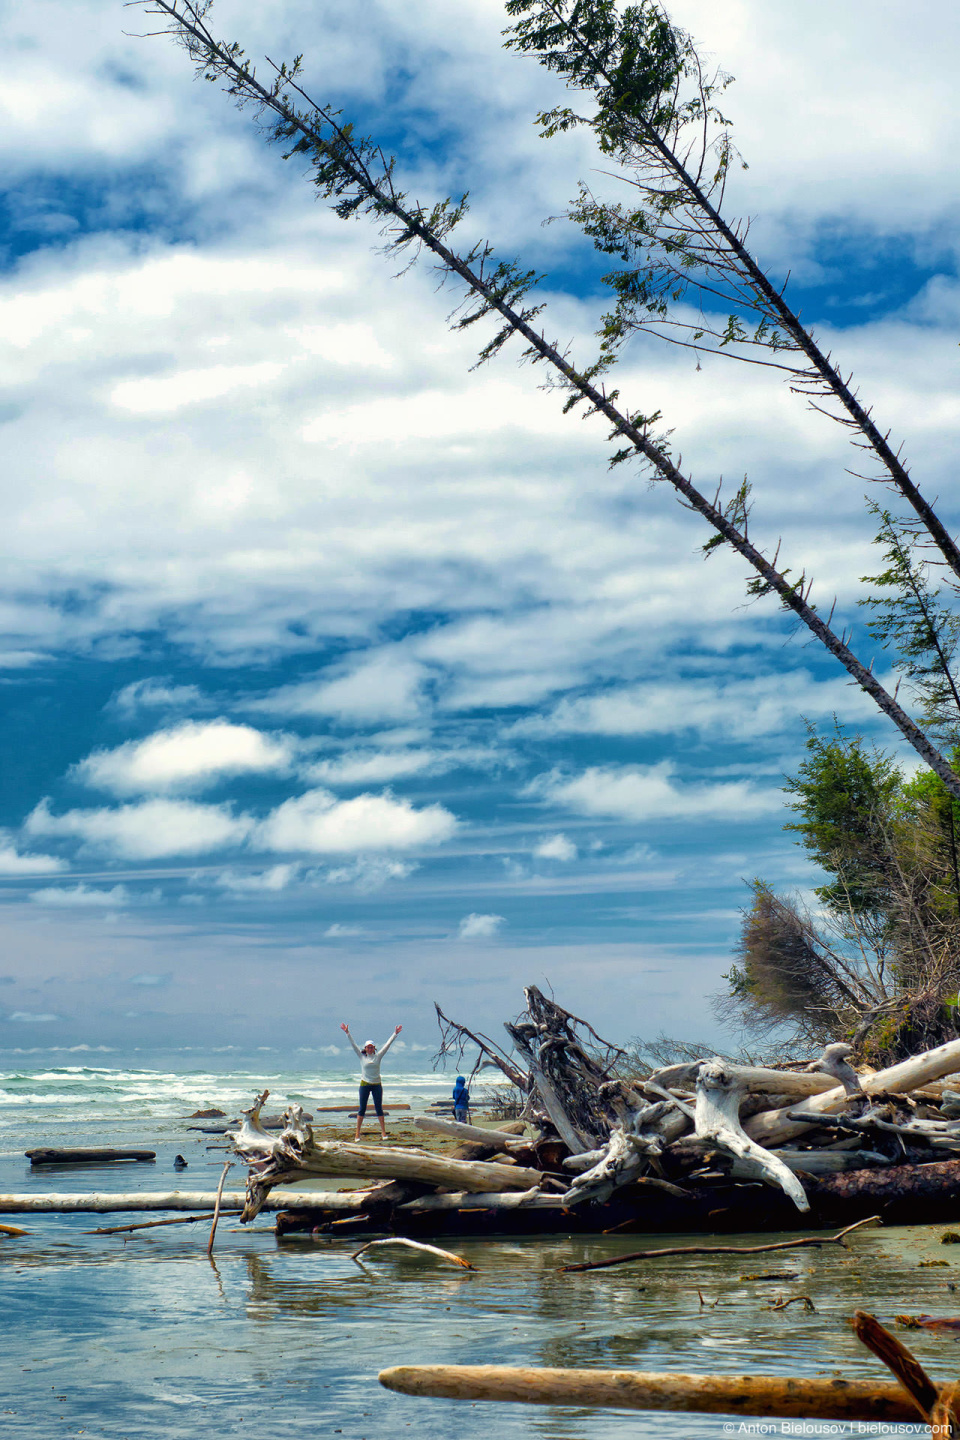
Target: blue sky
(337, 678)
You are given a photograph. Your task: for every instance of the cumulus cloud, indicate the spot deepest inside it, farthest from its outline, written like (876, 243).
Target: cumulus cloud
(318, 823)
(651, 792)
(555, 847)
(479, 927)
(84, 896)
(187, 756)
(13, 862)
(150, 830)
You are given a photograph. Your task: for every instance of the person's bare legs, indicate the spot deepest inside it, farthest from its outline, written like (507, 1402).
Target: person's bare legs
(383, 1127)
(359, 1124)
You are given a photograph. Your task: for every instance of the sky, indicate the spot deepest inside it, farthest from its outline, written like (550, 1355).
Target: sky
(339, 677)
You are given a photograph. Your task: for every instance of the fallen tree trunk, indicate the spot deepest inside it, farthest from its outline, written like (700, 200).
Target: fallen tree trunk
(99, 1201)
(761, 1395)
(474, 1134)
(755, 1078)
(85, 1156)
(772, 1127)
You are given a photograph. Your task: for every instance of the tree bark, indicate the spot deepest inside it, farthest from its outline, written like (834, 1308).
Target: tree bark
(762, 1395)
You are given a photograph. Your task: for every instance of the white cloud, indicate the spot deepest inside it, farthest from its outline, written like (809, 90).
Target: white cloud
(277, 877)
(555, 847)
(25, 1017)
(153, 829)
(650, 792)
(150, 982)
(13, 862)
(85, 896)
(370, 872)
(337, 931)
(479, 927)
(372, 767)
(317, 823)
(187, 756)
(156, 694)
(167, 393)
(373, 688)
(740, 709)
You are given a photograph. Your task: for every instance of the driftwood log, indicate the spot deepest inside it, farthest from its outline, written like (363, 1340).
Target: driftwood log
(760, 1395)
(85, 1156)
(295, 1155)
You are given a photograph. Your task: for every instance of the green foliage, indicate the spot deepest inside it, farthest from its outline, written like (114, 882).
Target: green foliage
(844, 797)
(910, 617)
(653, 109)
(879, 964)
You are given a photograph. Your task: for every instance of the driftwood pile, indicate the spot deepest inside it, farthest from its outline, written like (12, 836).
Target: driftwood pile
(708, 1145)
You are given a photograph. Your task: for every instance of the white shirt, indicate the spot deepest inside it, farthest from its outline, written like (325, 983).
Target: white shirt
(370, 1064)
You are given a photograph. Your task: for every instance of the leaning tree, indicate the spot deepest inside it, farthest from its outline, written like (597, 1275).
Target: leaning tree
(683, 270)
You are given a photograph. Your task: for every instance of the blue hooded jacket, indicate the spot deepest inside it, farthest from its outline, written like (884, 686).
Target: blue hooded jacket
(461, 1095)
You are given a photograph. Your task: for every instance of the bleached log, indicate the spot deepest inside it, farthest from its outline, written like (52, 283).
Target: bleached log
(532, 1199)
(100, 1202)
(799, 1397)
(295, 1155)
(330, 1158)
(630, 1151)
(775, 1126)
(835, 1061)
(472, 1133)
(818, 1162)
(755, 1078)
(586, 1161)
(719, 1092)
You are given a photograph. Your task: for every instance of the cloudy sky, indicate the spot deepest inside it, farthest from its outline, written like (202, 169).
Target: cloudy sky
(338, 678)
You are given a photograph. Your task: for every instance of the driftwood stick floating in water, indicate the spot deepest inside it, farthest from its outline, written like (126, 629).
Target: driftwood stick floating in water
(12, 1230)
(754, 1395)
(216, 1207)
(85, 1156)
(837, 1239)
(414, 1245)
(145, 1225)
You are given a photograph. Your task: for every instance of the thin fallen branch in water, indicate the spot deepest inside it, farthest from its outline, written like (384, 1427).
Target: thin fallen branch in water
(415, 1245)
(935, 1403)
(141, 1225)
(781, 1304)
(216, 1207)
(815, 1240)
(12, 1230)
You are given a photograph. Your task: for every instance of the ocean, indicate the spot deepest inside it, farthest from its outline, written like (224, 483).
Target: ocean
(143, 1337)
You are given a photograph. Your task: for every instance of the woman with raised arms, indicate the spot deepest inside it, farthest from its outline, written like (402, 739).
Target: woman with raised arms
(371, 1087)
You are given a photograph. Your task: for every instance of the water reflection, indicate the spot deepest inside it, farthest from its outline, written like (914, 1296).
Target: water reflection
(152, 1338)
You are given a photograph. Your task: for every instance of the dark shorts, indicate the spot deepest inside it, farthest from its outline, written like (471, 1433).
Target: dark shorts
(370, 1092)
